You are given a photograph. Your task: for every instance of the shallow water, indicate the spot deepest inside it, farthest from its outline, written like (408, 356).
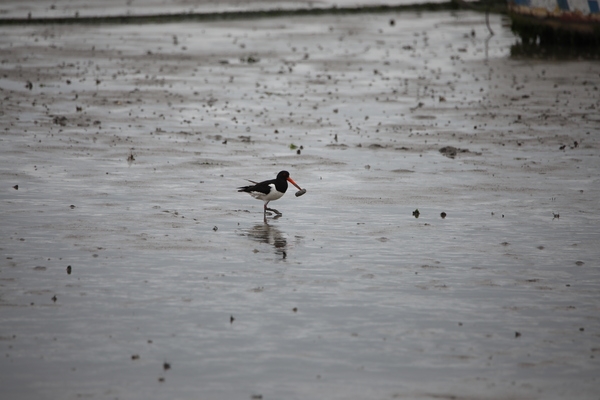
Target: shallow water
(347, 295)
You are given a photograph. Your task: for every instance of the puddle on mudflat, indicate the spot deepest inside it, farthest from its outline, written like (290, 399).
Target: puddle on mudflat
(347, 294)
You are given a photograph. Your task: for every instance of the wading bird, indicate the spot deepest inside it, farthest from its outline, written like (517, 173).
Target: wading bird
(270, 190)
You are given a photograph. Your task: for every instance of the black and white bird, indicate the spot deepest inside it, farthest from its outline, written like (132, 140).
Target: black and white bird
(271, 190)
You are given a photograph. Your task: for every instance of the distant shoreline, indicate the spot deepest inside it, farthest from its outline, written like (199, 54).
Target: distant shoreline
(237, 15)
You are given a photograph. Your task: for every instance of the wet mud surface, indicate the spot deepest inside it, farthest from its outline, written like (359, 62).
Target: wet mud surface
(131, 267)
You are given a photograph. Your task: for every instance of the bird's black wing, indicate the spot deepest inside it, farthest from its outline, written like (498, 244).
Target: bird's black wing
(262, 187)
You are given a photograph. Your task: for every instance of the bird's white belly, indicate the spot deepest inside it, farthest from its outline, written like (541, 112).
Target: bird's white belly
(272, 195)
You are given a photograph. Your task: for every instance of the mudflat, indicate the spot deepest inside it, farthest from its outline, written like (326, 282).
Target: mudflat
(446, 246)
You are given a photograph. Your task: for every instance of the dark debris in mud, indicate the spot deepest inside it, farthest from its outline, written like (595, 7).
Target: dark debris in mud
(60, 120)
(452, 152)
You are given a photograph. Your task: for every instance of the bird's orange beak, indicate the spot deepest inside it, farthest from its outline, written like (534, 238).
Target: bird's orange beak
(290, 180)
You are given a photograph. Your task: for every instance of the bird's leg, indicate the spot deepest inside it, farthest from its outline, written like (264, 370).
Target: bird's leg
(271, 209)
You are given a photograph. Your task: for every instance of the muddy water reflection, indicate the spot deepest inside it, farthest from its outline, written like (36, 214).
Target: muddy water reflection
(265, 233)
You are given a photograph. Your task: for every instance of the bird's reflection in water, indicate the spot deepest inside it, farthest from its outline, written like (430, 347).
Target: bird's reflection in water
(266, 233)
